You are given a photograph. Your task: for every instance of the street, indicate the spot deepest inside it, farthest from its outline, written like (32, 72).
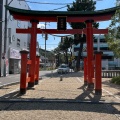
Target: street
(13, 78)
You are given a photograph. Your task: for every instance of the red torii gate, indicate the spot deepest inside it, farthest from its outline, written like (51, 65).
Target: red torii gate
(74, 16)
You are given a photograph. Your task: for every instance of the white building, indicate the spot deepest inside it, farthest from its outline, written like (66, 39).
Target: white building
(9, 49)
(108, 59)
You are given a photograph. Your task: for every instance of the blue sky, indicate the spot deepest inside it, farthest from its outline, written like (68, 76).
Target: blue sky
(53, 41)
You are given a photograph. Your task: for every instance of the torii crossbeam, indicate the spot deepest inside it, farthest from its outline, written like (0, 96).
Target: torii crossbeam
(68, 31)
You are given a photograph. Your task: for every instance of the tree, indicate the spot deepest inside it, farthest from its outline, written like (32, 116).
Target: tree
(81, 5)
(113, 36)
(62, 49)
(64, 45)
(56, 52)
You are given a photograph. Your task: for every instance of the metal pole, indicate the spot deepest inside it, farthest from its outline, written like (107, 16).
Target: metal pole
(9, 2)
(5, 39)
(98, 43)
(45, 47)
(45, 44)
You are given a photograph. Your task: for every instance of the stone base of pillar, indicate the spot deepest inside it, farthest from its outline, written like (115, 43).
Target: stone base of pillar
(31, 84)
(36, 82)
(85, 83)
(98, 92)
(22, 90)
(90, 86)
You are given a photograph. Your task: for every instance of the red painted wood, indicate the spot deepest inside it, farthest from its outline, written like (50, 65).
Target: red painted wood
(69, 19)
(27, 79)
(100, 31)
(89, 51)
(33, 52)
(29, 62)
(35, 76)
(37, 67)
(85, 70)
(68, 31)
(23, 74)
(98, 79)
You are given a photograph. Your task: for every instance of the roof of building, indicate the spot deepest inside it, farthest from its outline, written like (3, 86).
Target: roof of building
(13, 10)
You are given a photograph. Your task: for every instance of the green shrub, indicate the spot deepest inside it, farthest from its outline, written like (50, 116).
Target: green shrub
(115, 80)
(118, 82)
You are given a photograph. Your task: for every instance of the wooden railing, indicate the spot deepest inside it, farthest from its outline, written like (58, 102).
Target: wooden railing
(110, 73)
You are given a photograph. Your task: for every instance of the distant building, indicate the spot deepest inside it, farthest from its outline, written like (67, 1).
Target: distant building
(10, 61)
(108, 59)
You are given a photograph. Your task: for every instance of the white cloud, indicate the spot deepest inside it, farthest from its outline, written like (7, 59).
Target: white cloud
(42, 26)
(50, 48)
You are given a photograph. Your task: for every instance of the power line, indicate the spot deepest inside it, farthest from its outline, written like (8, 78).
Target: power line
(56, 3)
(10, 2)
(59, 8)
(49, 44)
(55, 35)
(45, 3)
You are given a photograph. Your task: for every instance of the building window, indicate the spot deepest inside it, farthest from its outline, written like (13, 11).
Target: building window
(18, 42)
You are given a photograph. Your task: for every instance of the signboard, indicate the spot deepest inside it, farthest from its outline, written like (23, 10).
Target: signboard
(14, 54)
(61, 22)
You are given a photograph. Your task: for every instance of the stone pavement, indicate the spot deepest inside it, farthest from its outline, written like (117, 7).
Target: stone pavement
(53, 99)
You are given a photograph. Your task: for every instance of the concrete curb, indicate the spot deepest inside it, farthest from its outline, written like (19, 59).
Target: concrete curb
(58, 101)
(12, 83)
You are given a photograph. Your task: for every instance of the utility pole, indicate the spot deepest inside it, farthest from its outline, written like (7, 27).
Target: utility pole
(5, 39)
(45, 46)
(46, 37)
(98, 43)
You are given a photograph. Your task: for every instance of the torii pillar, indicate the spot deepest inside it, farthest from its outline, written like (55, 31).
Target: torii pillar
(90, 67)
(33, 52)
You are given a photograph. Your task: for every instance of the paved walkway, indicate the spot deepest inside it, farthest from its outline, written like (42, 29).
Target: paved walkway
(54, 99)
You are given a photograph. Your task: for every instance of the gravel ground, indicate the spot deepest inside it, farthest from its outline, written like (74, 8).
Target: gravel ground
(8, 89)
(57, 111)
(53, 99)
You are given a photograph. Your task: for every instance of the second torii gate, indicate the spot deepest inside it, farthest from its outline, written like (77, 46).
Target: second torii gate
(51, 16)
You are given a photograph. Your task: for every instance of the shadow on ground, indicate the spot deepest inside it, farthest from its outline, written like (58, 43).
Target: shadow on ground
(13, 102)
